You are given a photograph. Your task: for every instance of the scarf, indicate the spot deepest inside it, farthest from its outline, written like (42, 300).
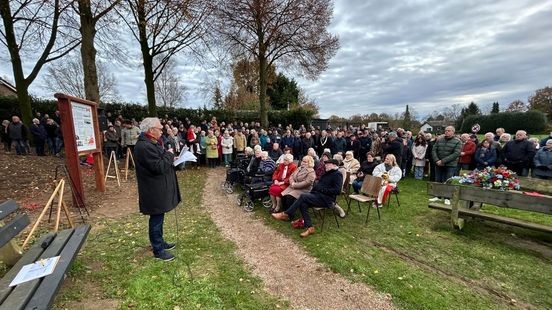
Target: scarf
(284, 174)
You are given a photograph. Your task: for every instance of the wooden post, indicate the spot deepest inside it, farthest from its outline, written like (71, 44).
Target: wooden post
(456, 222)
(46, 207)
(129, 157)
(60, 202)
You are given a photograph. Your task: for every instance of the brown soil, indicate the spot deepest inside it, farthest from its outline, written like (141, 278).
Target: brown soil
(286, 269)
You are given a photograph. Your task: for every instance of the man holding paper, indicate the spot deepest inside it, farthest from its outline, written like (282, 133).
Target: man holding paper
(158, 190)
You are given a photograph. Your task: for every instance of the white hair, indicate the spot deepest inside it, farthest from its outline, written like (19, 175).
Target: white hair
(148, 123)
(288, 157)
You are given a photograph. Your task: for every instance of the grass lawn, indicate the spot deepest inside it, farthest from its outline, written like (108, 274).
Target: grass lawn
(117, 263)
(414, 255)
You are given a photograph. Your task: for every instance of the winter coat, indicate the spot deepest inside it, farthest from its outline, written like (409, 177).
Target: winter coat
(227, 145)
(543, 163)
(329, 185)
(278, 174)
(352, 165)
(447, 150)
(287, 141)
(339, 145)
(324, 143)
(158, 190)
(211, 144)
(267, 166)
(394, 147)
(111, 138)
(485, 157)
(395, 173)
(468, 149)
(130, 135)
(419, 155)
(17, 131)
(240, 142)
(301, 181)
(39, 133)
(518, 152)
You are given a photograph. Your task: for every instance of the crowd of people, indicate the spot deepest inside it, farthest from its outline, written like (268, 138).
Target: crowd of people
(436, 158)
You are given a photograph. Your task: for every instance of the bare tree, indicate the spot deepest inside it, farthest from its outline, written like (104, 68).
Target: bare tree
(517, 106)
(67, 77)
(168, 89)
(291, 32)
(90, 14)
(33, 28)
(163, 28)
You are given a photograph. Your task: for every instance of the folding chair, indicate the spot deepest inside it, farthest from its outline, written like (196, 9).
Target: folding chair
(346, 189)
(371, 187)
(321, 214)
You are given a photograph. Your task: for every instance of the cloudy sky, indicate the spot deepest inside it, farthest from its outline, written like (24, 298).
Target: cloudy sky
(428, 54)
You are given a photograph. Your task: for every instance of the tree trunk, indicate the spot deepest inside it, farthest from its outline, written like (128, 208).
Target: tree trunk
(262, 91)
(88, 52)
(21, 84)
(147, 58)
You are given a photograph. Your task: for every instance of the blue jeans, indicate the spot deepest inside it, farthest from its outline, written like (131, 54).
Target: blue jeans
(20, 146)
(418, 172)
(305, 201)
(156, 233)
(227, 159)
(357, 185)
(443, 173)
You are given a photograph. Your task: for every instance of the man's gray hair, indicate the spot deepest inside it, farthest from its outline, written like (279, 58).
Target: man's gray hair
(148, 123)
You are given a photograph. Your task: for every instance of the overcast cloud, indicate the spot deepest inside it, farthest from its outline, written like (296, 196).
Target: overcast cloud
(428, 54)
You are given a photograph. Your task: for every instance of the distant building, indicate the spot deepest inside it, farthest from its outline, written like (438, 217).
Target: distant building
(434, 126)
(7, 89)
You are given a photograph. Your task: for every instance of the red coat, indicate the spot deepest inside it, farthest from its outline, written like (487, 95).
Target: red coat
(469, 149)
(277, 175)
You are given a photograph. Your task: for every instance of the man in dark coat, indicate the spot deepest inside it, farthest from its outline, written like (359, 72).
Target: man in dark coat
(158, 190)
(394, 146)
(518, 154)
(39, 136)
(322, 195)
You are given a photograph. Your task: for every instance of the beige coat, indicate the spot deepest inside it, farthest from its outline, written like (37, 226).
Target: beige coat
(301, 181)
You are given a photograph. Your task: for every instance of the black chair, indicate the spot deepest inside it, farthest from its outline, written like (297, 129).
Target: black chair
(394, 191)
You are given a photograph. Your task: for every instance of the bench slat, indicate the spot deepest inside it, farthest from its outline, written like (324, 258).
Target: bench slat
(492, 217)
(23, 292)
(13, 228)
(7, 207)
(30, 257)
(46, 292)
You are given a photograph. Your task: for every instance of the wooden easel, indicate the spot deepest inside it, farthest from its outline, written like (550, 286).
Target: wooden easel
(129, 158)
(113, 158)
(61, 204)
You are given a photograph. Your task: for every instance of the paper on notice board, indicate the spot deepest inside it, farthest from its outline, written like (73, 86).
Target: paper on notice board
(35, 270)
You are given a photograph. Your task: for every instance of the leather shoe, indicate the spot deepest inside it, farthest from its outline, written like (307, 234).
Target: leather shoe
(282, 216)
(307, 232)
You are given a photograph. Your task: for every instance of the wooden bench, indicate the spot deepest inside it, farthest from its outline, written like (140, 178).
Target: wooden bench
(466, 201)
(38, 293)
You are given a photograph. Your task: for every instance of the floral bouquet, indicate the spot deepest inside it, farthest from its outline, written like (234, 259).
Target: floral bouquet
(498, 178)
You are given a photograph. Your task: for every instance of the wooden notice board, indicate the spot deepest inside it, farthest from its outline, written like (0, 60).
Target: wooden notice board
(81, 136)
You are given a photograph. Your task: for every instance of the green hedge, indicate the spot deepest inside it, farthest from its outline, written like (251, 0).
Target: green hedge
(531, 121)
(9, 106)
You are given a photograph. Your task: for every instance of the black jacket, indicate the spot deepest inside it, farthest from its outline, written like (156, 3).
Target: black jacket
(394, 147)
(158, 190)
(330, 184)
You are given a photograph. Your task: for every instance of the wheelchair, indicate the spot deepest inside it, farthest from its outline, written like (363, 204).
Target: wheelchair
(235, 174)
(255, 188)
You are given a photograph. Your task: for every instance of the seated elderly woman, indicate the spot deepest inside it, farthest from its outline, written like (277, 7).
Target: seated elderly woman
(300, 181)
(543, 161)
(391, 174)
(351, 165)
(267, 164)
(280, 160)
(280, 179)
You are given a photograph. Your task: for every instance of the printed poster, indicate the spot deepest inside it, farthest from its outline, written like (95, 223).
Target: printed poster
(84, 127)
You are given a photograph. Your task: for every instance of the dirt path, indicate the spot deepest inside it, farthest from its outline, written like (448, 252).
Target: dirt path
(285, 268)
